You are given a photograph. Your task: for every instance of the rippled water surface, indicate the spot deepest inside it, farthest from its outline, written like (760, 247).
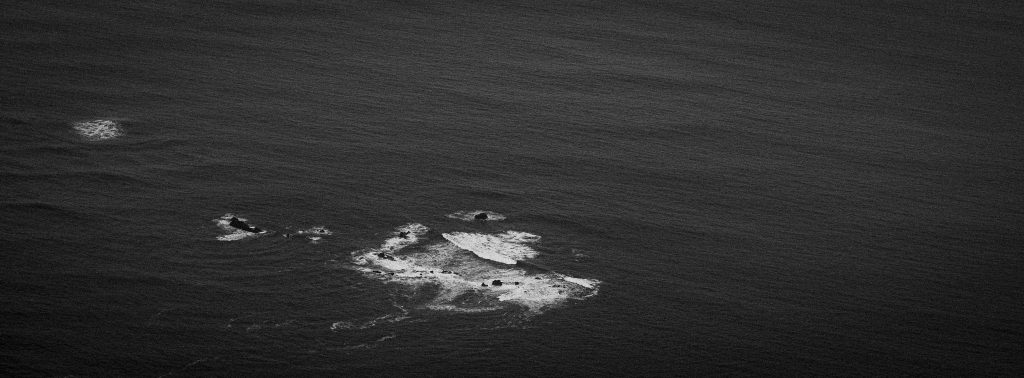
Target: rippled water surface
(670, 188)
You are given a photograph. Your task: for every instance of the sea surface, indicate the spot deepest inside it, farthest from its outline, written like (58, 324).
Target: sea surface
(671, 188)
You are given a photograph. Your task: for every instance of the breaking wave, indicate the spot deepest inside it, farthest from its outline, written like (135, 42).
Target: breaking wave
(470, 272)
(506, 248)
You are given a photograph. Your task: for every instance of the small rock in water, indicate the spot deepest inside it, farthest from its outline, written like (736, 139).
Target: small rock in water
(496, 282)
(239, 224)
(481, 216)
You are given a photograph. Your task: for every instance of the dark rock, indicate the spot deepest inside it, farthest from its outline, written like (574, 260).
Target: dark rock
(496, 282)
(484, 284)
(481, 216)
(403, 234)
(237, 223)
(517, 282)
(446, 272)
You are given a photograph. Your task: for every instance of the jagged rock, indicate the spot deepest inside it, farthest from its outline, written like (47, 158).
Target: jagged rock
(237, 223)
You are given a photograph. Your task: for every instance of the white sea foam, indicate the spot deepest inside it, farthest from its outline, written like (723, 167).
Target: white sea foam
(231, 233)
(316, 231)
(315, 234)
(99, 129)
(404, 236)
(506, 248)
(460, 281)
(389, 318)
(384, 256)
(519, 237)
(589, 284)
(470, 215)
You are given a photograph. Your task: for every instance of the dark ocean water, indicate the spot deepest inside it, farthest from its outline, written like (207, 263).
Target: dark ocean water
(760, 188)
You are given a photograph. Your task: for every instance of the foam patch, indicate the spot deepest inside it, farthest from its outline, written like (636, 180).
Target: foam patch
(506, 248)
(461, 280)
(99, 129)
(315, 234)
